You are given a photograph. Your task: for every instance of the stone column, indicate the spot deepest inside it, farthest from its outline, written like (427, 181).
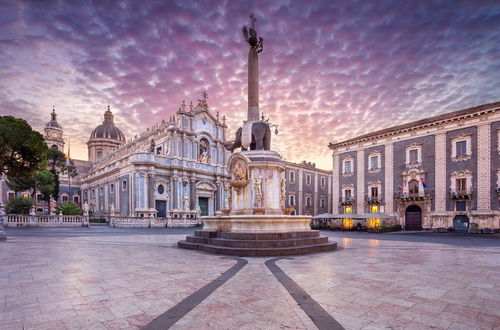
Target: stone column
(192, 191)
(483, 166)
(389, 178)
(175, 192)
(360, 183)
(440, 191)
(151, 190)
(218, 196)
(300, 198)
(253, 85)
(335, 182)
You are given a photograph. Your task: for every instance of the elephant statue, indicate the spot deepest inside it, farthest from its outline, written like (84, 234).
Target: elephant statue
(260, 137)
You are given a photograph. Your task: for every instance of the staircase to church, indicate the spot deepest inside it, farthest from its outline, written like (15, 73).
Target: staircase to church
(253, 244)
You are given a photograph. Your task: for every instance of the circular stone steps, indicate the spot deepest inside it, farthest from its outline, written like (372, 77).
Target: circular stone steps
(258, 244)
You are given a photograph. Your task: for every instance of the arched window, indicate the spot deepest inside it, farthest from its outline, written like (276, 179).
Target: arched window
(413, 187)
(124, 185)
(54, 147)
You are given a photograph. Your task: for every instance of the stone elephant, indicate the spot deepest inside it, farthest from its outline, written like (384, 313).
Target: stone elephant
(261, 138)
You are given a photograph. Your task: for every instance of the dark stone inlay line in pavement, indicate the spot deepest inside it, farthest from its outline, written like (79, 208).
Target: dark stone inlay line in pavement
(174, 314)
(321, 318)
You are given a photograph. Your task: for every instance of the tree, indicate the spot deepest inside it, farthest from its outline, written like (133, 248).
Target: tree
(69, 208)
(19, 205)
(19, 184)
(56, 164)
(22, 150)
(45, 183)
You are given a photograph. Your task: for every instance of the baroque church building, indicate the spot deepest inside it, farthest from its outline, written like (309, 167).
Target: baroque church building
(175, 168)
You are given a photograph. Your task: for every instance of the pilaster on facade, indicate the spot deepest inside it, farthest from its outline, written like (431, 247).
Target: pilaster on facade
(389, 178)
(360, 183)
(440, 170)
(484, 166)
(335, 182)
(300, 200)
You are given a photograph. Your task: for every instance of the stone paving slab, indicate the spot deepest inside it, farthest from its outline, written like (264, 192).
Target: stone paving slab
(107, 278)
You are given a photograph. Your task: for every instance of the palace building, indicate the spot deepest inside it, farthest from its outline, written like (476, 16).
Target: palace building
(437, 173)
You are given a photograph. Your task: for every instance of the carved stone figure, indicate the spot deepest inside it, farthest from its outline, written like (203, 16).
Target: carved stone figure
(32, 211)
(86, 209)
(260, 138)
(258, 186)
(112, 209)
(152, 146)
(186, 203)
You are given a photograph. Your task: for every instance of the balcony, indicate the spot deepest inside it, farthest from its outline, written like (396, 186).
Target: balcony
(461, 194)
(373, 199)
(347, 200)
(414, 196)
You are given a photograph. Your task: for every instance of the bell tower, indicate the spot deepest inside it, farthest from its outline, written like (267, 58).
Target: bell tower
(54, 133)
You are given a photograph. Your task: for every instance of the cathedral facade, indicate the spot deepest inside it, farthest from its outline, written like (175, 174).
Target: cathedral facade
(439, 173)
(173, 169)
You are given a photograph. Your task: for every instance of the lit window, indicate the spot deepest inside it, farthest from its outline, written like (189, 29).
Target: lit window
(374, 209)
(348, 210)
(26, 195)
(461, 148)
(373, 223)
(347, 223)
(413, 187)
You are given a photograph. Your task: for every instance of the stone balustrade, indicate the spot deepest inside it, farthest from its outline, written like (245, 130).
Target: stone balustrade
(153, 222)
(22, 220)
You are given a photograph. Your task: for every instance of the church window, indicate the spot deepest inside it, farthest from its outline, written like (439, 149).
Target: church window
(55, 147)
(291, 200)
(124, 185)
(76, 199)
(39, 197)
(374, 191)
(101, 190)
(308, 179)
(204, 151)
(322, 203)
(413, 187)
(161, 189)
(323, 181)
(99, 154)
(112, 188)
(348, 194)
(158, 150)
(291, 176)
(308, 201)
(64, 198)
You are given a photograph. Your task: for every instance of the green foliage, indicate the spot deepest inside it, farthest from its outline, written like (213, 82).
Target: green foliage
(19, 205)
(46, 184)
(56, 160)
(19, 184)
(69, 208)
(22, 150)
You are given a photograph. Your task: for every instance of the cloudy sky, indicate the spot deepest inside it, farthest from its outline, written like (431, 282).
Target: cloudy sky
(330, 70)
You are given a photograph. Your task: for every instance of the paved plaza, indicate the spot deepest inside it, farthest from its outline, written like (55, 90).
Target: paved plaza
(105, 278)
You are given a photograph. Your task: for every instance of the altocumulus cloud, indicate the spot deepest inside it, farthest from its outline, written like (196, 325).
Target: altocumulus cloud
(330, 70)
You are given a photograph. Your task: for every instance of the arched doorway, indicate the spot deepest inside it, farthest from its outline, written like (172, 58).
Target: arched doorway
(461, 223)
(413, 218)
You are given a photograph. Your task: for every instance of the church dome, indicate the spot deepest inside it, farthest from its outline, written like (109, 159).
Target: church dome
(108, 130)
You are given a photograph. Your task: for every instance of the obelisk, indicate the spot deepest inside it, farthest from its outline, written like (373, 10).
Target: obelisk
(253, 70)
